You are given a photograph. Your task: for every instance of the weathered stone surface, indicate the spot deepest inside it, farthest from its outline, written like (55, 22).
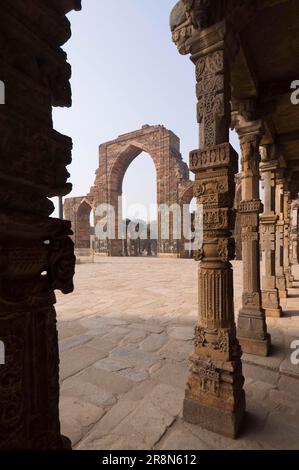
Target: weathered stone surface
(140, 390)
(153, 415)
(113, 382)
(112, 365)
(108, 423)
(272, 362)
(181, 333)
(76, 416)
(212, 440)
(153, 342)
(175, 376)
(135, 336)
(134, 356)
(116, 442)
(73, 341)
(136, 375)
(258, 391)
(66, 329)
(177, 350)
(262, 399)
(289, 385)
(281, 432)
(75, 360)
(290, 369)
(150, 327)
(260, 373)
(103, 343)
(86, 391)
(181, 438)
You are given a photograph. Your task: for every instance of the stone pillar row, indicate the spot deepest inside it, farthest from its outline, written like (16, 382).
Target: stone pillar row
(214, 396)
(275, 231)
(252, 328)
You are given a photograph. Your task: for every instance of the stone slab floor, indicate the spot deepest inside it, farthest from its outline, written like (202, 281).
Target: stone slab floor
(125, 336)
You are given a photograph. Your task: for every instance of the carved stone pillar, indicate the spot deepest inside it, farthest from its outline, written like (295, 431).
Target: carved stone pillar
(238, 226)
(270, 297)
(286, 240)
(252, 328)
(294, 232)
(36, 252)
(215, 398)
(281, 283)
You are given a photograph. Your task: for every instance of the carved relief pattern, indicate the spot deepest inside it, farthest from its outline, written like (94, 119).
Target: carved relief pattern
(207, 376)
(36, 252)
(215, 367)
(211, 112)
(220, 343)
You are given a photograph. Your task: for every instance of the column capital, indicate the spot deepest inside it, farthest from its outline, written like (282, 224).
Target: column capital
(193, 20)
(244, 119)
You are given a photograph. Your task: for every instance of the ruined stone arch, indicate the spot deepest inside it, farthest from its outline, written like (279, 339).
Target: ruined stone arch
(78, 210)
(115, 156)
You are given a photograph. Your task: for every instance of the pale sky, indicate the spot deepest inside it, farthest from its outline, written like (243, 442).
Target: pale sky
(126, 73)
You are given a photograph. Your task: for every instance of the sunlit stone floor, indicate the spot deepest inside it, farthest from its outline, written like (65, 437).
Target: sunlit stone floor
(125, 336)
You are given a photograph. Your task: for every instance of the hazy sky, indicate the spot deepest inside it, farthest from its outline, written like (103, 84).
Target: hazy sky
(126, 73)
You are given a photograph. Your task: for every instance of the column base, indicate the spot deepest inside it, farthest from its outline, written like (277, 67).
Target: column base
(273, 312)
(258, 347)
(168, 255)
(220, 421)
(283, 294)
(271, 304)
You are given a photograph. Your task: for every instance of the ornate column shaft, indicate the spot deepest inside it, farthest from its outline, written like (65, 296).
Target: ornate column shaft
(281, 284)
(270, 297)
(252, 328)
(36, 252)
(294, 232)
(286, 241)
(214, 394)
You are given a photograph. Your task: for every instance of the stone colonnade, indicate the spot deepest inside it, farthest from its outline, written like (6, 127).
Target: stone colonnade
(214, 395)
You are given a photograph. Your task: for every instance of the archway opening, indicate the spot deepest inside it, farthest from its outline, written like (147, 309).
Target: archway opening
(83, 232)
(139, 207)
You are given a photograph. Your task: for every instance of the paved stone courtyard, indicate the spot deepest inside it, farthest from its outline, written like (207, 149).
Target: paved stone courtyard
(125, 336)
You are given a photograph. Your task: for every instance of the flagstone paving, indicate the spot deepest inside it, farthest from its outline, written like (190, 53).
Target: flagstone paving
(125, 337)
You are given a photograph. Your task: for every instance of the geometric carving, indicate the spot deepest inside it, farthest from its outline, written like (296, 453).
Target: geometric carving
(219, 156)
(208, 377)
(220, 341)
(215, 380)
(36, 252)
